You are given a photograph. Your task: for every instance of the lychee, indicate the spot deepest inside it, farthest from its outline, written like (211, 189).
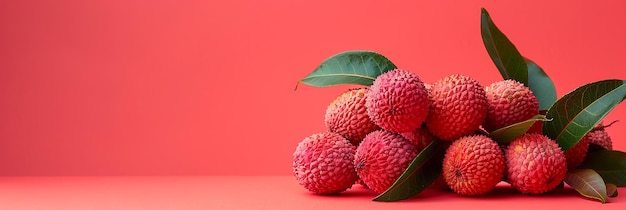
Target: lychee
(324, 163)
(600, 137)
(347, 116)
(397, 101)
(536, 163)
(576, 155)
(510, 102)
(421, 137)
(382, 157)
(458, 106)
(473, 165)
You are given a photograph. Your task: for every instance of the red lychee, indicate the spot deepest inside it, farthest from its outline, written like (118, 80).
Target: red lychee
(458, 106)
(473, 165)
(347, 116)
(535, 163)
(600, 137)
(324, 163)
(510, 102)
(382, 157)
(397, 101)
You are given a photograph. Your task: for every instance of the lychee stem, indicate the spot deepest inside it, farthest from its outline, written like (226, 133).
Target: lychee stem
(602, 127)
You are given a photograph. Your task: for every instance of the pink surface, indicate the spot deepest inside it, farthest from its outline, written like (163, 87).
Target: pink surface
(193, 87)
(250, 192)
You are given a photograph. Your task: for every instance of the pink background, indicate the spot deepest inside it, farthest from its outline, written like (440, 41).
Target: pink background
(207, 87)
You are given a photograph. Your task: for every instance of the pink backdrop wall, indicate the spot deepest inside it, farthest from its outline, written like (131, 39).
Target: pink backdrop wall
(207, 87)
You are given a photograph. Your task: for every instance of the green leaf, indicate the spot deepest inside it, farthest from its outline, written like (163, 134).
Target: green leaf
(588, 183)
(611, 190)
(610, 164)
(575, 114)
(541, 85)
(503, 53)
(351, 67)
(422, 172)
(508, 133)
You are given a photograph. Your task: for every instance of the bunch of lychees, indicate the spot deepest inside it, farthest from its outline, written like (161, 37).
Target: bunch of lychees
(398, 135)
(374, 133)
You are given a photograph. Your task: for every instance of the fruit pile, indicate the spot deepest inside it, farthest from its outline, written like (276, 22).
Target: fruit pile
(456, 133)
(374, 133)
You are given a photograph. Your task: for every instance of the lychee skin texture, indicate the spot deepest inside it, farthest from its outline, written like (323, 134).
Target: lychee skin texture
(347, 116)
(601, 138)
(536, 164)
(576, 155)
(510, 102)
(458, 106)
(382, 157)
(324, 163)
(397, 101)
(473, 165)
(421, 137)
